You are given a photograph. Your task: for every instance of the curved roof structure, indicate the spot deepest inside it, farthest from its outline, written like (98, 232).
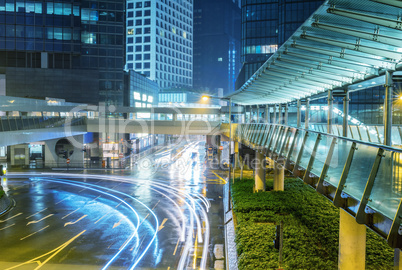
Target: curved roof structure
(344, 42)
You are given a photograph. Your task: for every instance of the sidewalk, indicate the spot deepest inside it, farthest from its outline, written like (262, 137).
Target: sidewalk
(231, 253)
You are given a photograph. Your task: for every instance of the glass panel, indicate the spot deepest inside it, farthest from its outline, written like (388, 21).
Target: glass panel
(335, 169)
(261, 135)
(363, 160)
(355, 133)
(363, 133)
(298, 144)
(271, 132)
(266, 135)
(274, 138)
(396, 138)
(373, 134)
(281, 140)
(321, 154)
(308, 149)
(286, 149)
(387, 189)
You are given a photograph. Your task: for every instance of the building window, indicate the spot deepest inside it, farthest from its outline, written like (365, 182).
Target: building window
(137, 96)
(138, 66)
(138, 5)
(130, 31)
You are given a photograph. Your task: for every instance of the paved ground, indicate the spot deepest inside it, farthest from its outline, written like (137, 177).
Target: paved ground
(164, 213)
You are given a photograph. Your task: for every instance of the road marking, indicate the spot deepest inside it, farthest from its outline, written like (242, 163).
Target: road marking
(175, 249)
(64, 199)
(36, 221)
(54, 251)
(72, 223)
(163, 223)
(118, 223)
(101, 218)
(1, 221)
(156, 205)
(118, 204)
(7, 227)
(34, 233)
(70, 213)
(95, 198)
(36, 213)
(223, 180)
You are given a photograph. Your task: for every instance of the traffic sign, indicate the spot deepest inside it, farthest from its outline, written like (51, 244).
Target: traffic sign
(221, 147)
(121, 155)
(68, 161)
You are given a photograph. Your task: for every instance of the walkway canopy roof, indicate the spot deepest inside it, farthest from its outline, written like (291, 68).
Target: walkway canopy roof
(344, 42)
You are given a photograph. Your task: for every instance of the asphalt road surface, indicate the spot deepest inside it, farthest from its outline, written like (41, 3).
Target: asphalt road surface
(165, 212)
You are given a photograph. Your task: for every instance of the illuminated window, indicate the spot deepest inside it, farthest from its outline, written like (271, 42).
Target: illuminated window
(150, 99)
(130, 31)
(144, 97)
(149, 105)
(138, 104)
(137, 96)
(220, 59)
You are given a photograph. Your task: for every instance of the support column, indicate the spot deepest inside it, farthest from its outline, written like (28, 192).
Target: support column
(345, 113)
(236, 154)
(259, 172)
(280, 116)
(274, 119)
(352, 243)
(306, 121)
(298, 121)
(330, 111)
(389, 89)
(279, 177)
(286, 114)
(258, 113)
(267, 119)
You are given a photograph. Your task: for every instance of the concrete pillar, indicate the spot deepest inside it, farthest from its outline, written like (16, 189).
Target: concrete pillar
(280, 115)
(236, 156)
(307, 116)
(279, 177)
(352, 243)
(174, 117)
(330, 111)
(346, 113)
(397, 259)
(389, 89)
(286, 123)
(274, 119)
(298, 124)
(53, 159)
(259, 172)
(266, 114)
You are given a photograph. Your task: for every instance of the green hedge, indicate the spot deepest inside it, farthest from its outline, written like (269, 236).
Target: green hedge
(311, 225)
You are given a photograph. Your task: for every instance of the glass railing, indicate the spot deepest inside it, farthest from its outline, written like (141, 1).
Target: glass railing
(368, 133)
(363, 178)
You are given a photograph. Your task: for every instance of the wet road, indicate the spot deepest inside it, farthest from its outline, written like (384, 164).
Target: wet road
(164, 213)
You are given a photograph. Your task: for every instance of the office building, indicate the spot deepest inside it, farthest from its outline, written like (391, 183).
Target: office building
(217, 25)
(72, 49)
(160, 41)
(266, 25)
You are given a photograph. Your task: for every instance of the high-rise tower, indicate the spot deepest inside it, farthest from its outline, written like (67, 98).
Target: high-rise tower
(160, 41)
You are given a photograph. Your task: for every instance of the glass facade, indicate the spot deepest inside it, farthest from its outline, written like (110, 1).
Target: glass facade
(143, 93)
(266, 25)
(66, 35)
(160, 40)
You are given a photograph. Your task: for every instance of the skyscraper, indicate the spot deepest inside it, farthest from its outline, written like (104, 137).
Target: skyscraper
(266, 25)
(160, 41)
(217, 25)
(71, 49)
